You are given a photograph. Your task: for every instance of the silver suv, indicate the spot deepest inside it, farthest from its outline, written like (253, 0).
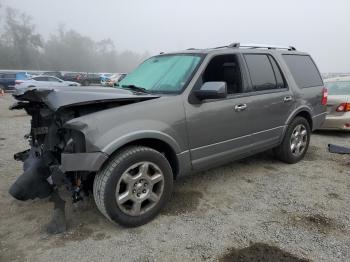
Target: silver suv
(176, 114)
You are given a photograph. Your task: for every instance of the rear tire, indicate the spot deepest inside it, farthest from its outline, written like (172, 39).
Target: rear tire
(133, 186)
(295, 142)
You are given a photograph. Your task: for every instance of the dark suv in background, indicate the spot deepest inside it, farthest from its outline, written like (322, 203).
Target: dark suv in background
(7, 81)
(84, 79)
(90, 79)
(176, 114)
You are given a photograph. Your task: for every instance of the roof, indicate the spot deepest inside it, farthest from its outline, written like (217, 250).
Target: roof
(239, 48)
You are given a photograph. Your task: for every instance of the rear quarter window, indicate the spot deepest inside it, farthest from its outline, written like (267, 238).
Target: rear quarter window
(304, 70)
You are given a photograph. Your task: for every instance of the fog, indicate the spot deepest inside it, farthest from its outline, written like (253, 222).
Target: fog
(315, 26)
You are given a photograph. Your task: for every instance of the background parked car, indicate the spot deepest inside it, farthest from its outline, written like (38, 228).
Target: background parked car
(115, 79)
(44, 80)
(7, 81)
(90, 78)
(105, 77)
(24, 75)
(55, 74)
(71, 76)
(338, 105)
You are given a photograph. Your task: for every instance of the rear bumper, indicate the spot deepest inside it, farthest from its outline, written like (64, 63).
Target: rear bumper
(337, 122)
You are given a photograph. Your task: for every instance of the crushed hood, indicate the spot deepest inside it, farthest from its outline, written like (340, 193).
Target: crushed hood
(59, 97)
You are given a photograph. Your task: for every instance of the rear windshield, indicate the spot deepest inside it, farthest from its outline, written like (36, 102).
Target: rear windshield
(304, 70)
(338, 87)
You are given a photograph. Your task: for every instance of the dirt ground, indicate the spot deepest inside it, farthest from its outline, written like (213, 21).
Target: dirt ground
(256, 208)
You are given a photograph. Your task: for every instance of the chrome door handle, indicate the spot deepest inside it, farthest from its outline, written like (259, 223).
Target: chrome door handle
(287, 99)
(240, 107)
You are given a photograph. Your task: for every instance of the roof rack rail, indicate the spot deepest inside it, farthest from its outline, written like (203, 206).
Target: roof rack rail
(238, 45)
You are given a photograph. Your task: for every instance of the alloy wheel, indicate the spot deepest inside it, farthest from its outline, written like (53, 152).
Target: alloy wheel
(140, 188)
(298, 140)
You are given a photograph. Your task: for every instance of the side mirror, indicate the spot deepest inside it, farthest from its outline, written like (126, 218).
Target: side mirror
(211, 90)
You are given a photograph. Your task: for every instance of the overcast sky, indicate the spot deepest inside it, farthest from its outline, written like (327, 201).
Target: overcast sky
(319, 27)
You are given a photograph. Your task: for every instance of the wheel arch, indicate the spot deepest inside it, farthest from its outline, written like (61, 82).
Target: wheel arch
(303, 112)
(156, 144)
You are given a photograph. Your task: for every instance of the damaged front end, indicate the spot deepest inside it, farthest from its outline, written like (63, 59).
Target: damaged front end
(49, 141)
(58, 152)
(57, 155)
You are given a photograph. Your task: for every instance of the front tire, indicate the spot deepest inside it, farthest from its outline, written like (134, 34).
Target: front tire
(295, 142)
(133, 186)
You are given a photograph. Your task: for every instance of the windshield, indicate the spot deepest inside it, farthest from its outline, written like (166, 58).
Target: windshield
(338, 88)
(163, 74)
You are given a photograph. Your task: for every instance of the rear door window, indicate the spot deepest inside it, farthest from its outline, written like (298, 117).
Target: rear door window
(304, 70)
(262, 73)
(40, 78)
(52, 79)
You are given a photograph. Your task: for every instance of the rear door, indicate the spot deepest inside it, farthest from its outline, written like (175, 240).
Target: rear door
(273, 99)
(55, 81)
(40, 81)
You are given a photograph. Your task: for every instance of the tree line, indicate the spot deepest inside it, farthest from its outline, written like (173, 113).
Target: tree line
(21, 47)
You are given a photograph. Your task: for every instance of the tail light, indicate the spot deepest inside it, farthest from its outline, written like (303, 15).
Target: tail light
(324, 96)
(17, 82)
(343, 107)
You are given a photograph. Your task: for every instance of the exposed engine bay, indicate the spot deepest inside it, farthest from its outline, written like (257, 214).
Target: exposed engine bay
(48, 139)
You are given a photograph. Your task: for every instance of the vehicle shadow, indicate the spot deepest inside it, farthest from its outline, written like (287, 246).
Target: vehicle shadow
(188, 190)
(265, 160)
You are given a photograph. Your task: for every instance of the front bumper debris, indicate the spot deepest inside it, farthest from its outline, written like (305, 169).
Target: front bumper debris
(33, 182)
(91, 162)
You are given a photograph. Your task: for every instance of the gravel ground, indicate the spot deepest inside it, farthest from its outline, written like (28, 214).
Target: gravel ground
(256, 208)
